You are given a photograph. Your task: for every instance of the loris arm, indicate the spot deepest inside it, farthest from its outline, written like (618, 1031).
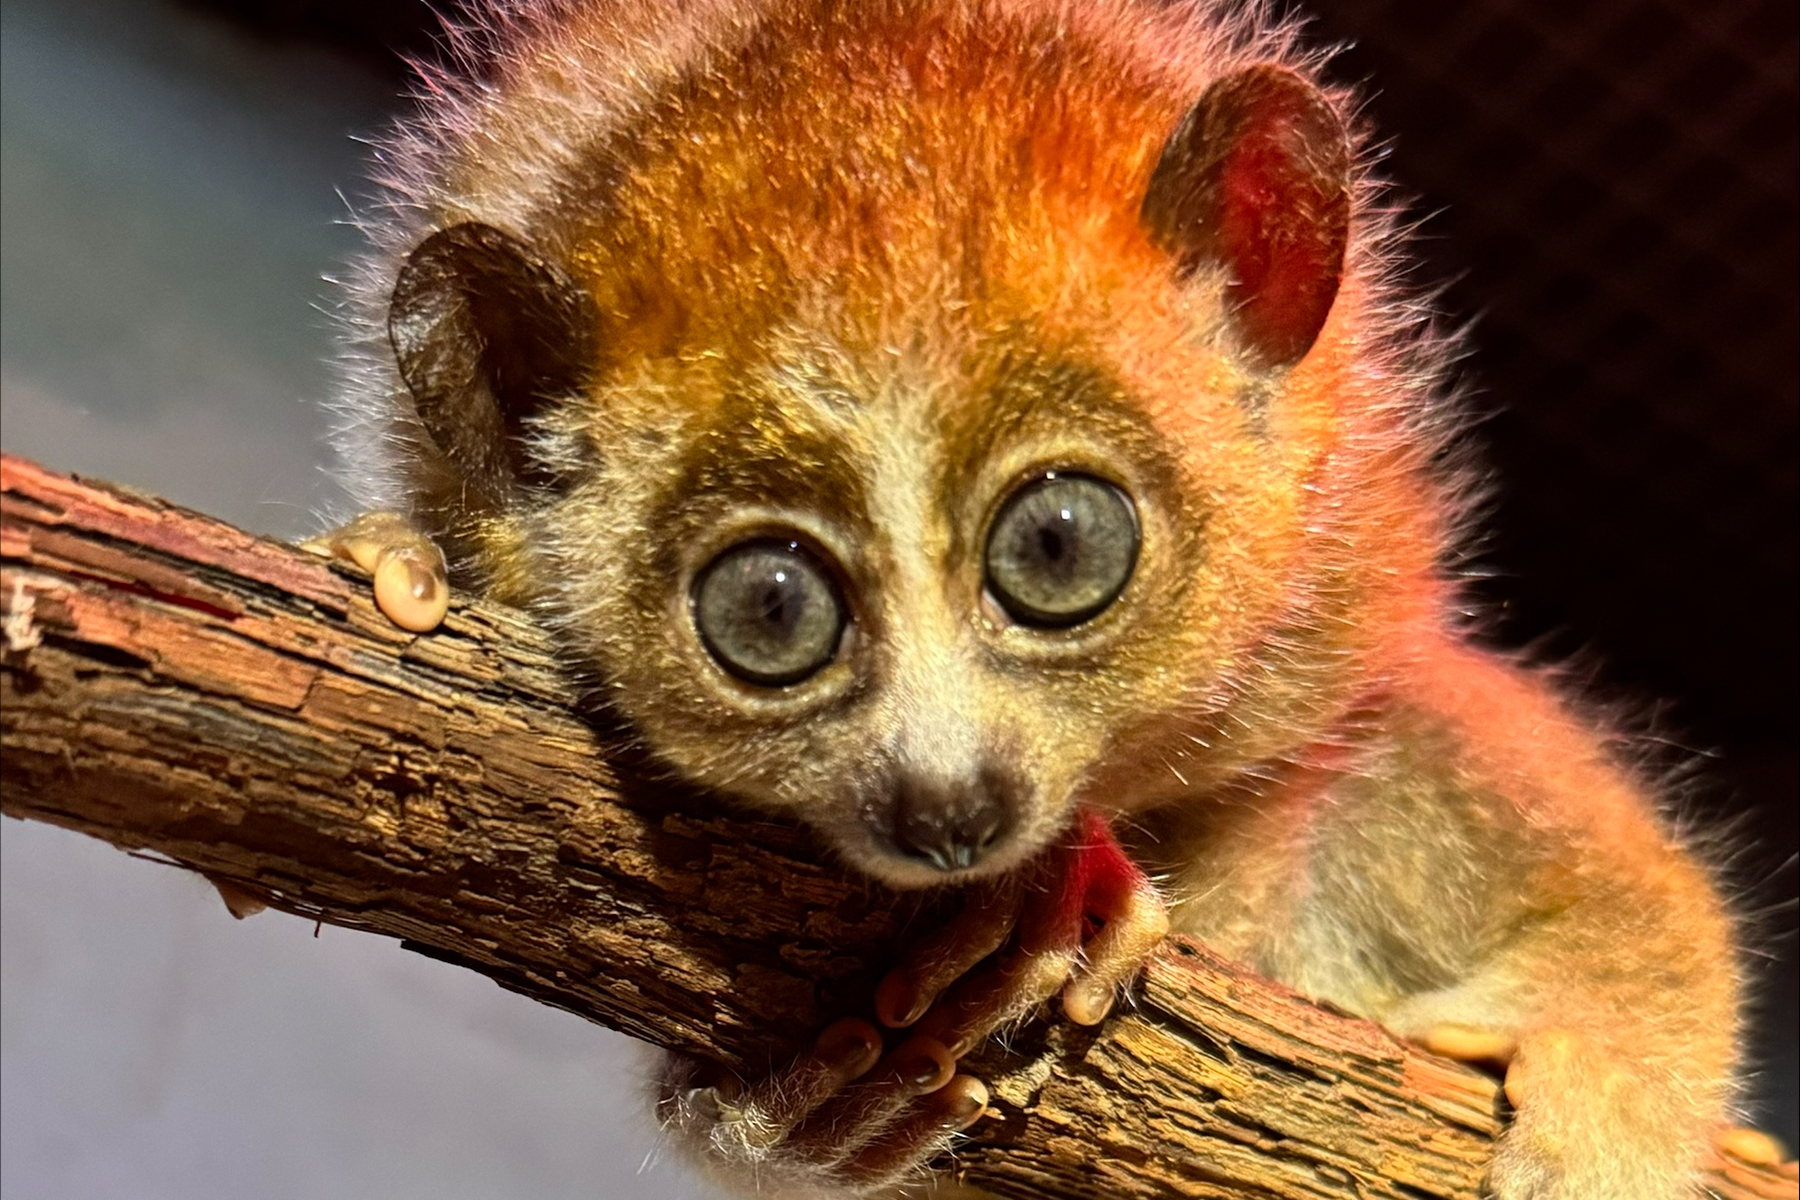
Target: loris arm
(1480, 877)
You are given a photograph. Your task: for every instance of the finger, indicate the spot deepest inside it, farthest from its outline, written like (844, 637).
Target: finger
(1468, 1044)
(412, 581)
(362, 540)
(238, 902)
(933, 964)
(1054, 903)
(922, 1134)
(1051, 905)
(834, 1132)
(770, 1110)
(979, 1004)
(1545, 1053)
(1136, 923)
(412, 585)
(1752, 1146)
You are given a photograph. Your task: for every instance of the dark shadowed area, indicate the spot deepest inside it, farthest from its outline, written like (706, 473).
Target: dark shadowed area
(1607, 187)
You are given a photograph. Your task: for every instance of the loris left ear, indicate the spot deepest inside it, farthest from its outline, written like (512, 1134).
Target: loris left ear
(485, 330)
(1256, 179)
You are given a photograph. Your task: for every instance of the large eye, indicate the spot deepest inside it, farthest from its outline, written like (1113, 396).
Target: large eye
(1061, 550)
(768, 613)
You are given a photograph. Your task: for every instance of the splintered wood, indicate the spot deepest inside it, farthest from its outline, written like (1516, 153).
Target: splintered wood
(174, 685)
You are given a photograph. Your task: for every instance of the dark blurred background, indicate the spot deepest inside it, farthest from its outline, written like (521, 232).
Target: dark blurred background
(1606, 189)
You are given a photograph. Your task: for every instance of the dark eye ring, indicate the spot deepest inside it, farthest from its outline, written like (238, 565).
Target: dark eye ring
(768, 612)
(1061, 549)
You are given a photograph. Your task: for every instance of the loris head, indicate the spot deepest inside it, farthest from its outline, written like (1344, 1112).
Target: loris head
(901, 439)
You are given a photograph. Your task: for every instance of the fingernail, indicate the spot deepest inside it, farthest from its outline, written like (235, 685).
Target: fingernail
(1086, 1004)
(421, 580)
(969, 1107)
(963, 1044)
(897, 1001)
(918, 1069)
(840, 1046)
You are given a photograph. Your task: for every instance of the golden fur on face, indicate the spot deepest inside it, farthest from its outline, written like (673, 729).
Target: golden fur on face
(936, 301)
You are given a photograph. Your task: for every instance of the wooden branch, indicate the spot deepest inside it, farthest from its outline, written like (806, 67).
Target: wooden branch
(174, 685)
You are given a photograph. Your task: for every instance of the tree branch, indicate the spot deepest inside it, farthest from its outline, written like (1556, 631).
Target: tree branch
(175, 685)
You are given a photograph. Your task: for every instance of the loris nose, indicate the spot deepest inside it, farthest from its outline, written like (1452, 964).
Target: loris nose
(954, 827)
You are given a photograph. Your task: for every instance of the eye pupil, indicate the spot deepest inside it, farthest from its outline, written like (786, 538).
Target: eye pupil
(768, 613)
(1061, 550)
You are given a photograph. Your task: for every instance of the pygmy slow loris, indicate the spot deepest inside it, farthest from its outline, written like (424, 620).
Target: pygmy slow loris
(974, 426)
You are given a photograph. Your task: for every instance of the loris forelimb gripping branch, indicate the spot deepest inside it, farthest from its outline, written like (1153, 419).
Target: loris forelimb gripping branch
(993, 433)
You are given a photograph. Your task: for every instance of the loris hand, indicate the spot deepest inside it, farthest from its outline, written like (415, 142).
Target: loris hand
(848, 1120)
(1585, 1125)
(845, 1120)
(412, 586)
(1042, 916)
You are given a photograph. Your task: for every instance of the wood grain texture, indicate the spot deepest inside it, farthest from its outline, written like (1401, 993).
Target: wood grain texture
(173, 685)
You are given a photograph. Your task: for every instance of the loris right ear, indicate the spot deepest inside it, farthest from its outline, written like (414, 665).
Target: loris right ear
(485, 331)
(1256, 180)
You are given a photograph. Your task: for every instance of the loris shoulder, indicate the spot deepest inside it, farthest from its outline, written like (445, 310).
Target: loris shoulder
(972, 426)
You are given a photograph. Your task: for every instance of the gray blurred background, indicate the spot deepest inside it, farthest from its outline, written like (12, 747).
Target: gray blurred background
(1611, 190)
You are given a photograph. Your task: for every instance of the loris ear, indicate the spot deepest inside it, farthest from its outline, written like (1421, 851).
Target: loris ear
(1256, 179)
(485, 331)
